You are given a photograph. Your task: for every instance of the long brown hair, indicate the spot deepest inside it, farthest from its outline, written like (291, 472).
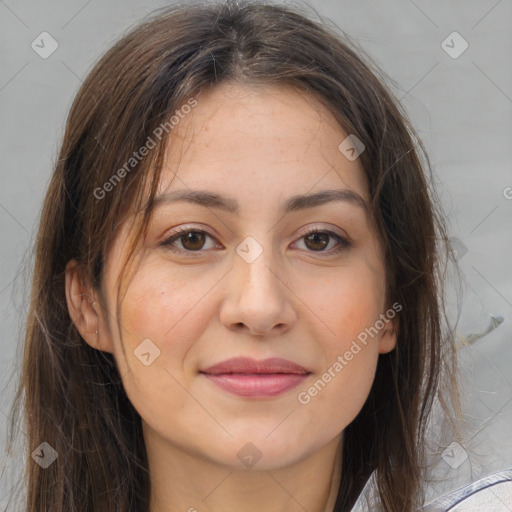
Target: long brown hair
(71, 394)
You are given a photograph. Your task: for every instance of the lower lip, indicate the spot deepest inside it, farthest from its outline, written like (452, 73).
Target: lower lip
(257, 385)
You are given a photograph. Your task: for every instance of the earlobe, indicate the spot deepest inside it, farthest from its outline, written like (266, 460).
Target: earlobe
(83, 307)
(388, 338)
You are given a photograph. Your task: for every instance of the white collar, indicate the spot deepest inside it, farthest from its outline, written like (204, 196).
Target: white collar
(368, 500)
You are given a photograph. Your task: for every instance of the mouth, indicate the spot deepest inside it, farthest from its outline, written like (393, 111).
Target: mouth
(256, 379)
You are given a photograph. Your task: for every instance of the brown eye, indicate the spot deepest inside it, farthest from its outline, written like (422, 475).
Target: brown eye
(325, 242)
(317, 241)
(191, 240)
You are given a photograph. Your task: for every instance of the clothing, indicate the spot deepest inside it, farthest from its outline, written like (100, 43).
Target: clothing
(490, 494)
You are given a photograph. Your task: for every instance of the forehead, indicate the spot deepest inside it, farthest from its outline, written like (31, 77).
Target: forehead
(265, 140)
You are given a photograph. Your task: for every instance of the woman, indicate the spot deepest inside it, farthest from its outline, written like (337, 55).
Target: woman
(235, 299)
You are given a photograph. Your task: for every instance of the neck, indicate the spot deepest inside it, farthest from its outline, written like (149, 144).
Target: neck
(183, 481)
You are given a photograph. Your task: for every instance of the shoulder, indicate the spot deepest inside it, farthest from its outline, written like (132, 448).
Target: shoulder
(490, 494)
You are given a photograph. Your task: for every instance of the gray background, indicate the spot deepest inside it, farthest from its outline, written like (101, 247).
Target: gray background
(460, 106)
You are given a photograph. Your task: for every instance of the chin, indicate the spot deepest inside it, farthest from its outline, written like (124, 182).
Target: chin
(255, 451)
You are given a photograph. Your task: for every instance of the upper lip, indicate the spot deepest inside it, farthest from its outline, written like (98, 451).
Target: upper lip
(248, 365)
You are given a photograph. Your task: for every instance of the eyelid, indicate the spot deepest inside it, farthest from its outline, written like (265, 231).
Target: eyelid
(344, 241)
(178, 232)
(323, 229)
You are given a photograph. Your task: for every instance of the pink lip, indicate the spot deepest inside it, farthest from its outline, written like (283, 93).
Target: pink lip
(250, 378)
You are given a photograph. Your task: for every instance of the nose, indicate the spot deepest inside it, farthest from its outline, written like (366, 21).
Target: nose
(257, 298)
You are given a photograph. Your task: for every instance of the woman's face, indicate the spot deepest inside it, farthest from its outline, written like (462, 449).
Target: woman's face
(248, 282)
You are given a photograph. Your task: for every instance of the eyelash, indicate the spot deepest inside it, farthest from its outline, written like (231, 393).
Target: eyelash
(343, 244)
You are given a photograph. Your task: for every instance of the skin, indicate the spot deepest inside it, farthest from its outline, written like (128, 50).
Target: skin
(259, 146)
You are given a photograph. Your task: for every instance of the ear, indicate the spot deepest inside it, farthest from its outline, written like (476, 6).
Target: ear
(387, 341)
(84, 309)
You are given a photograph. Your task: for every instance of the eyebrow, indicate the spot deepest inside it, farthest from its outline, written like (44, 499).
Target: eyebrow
(292, 204)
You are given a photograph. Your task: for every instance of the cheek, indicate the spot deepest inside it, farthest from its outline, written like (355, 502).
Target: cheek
(340, 389)
(346, 303)
(166, 307)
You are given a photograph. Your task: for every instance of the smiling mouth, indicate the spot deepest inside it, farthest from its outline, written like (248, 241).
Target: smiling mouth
(250, 378)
